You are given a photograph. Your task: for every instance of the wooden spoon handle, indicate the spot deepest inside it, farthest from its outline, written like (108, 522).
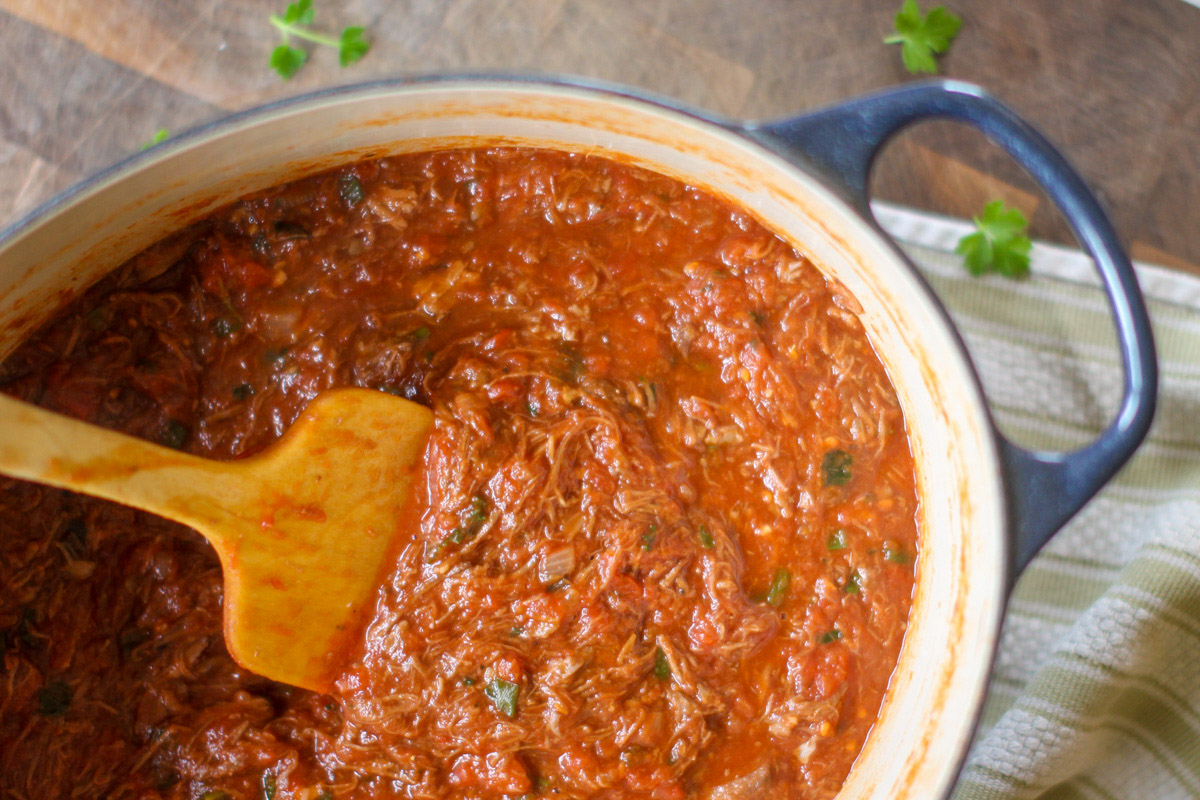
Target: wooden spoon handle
(45, 447)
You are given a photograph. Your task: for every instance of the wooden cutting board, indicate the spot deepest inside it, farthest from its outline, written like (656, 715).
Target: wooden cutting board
(1115, 83)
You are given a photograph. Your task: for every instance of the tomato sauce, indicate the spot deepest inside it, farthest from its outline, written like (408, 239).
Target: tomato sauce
(667, 529)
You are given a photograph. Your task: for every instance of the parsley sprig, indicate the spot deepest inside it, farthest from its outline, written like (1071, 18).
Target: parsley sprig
(922, 37)
(295, 21)
(999, 243)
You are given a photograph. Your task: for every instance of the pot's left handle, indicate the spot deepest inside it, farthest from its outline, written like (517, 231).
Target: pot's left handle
(1045, 488)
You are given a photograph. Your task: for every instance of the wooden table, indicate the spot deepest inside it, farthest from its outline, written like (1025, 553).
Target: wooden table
(1116, 84)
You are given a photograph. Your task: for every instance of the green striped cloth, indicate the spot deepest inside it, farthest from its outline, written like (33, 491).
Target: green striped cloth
(1096, 690)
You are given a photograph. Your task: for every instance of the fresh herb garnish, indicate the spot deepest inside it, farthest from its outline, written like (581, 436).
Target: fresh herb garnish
(922, 38)
(779, 586)
(468, 681)
(351, 190)
(830, 636)
(479, 510)
(472, 522)
(853, 584)
(662, 667)
(242, 391)
(504, 694)
(706, 538)
(268, 785)
(224, 327)
(999, 244)
(215, 794)
(894, 553)
(837, 540)
(160, 136)
(421, 333)
(295, 21)
(173, 434)
(54, 699)
(275, 355)
(516, 631)
(836, 466)
(649, 536)
(759, 318)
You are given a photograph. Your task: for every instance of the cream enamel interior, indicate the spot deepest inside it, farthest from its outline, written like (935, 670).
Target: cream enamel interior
(928, 718)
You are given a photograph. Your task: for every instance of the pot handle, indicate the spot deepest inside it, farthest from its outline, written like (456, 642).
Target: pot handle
(1045, 489)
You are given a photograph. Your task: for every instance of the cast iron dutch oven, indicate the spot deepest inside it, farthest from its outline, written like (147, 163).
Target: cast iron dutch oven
(987, 505)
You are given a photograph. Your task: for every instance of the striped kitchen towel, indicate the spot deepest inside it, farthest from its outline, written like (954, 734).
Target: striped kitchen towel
(1096, 690)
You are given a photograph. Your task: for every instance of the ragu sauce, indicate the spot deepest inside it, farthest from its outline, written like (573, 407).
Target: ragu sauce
(666, 528)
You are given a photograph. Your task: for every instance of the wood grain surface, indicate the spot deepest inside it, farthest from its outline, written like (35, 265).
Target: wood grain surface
(1114, 83)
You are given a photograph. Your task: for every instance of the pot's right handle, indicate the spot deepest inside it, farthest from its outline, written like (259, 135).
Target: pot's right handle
(1045, 488)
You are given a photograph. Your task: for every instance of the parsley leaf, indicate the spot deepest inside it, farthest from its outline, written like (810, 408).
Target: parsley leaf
(830, 636)
(287, 60)
(662, 667)
(504, 694)
(999, 245)
(160, 136)
(295, 21)
(920, 38)
(352, 46)
(836, 466)
(779, 586)
(299, 13)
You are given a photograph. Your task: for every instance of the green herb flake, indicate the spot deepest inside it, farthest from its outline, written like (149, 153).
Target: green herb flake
(830, 636)
(479, 509)
(837, 540)
(759, 319)
(853, 584)
(421, 333)
(532, 409)
(351, 190)
(160, 136)
(54, 699)
(468, 681)
(268, 786)
(662, 667)
(224, 327)
(325, 794)
(922, 38)
(836, 467)
(504, 694)
(779, 586)
(352, 45)
(999, 243)
(894, 553)
(706, 538)
(243, 391)
(516, 631)
(649, 537)
(275, 355)
(173, 434)
(287, 60)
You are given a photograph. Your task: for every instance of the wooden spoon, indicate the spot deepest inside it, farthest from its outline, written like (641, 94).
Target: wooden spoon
(302, 528)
